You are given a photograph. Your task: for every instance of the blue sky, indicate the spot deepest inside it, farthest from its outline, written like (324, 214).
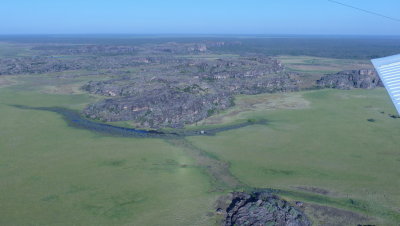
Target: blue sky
(197, 17)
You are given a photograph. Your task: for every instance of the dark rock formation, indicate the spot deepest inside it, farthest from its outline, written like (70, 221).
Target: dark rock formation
(160, 107)
(42, 64)
(185, 91)
(167, 84)
(364, 78)
(256, 85)
(260, 208)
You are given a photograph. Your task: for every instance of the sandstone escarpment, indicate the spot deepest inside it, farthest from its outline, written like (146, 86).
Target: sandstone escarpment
(364, 78)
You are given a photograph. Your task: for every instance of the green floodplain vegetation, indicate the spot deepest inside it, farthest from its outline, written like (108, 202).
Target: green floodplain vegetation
(52, 174)
(328, 147)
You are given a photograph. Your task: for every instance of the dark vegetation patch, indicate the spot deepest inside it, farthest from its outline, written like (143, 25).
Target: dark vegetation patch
(76, 189)
(218, 170)
(50, 198)
(314, 190)
(341, 47)
(114, 163)
(330, 216)
(344, 47)
(279, 172)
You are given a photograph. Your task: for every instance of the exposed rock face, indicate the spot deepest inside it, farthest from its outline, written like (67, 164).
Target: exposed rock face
(364, 78)
(185, 91)
(257, 85)
(160, 107)
(261, 208)
(94, 57)
(157, 84)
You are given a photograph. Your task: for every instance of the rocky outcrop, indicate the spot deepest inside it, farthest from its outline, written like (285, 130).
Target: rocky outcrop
(160, 107)
(157, 85)
(260, 208)
(42, 64)
(364, 78)
(186, 90)
(256, 85)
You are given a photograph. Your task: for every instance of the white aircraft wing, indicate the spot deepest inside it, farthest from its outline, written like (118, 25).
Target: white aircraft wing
(388, 69)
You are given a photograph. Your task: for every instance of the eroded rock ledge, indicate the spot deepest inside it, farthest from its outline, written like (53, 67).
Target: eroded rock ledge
(259, 208)
(185, 91)
(363, 78)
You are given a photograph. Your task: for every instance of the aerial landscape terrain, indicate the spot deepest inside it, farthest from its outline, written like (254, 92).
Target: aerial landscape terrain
(218, 130)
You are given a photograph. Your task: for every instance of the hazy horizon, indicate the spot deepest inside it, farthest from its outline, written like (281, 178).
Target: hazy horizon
(201, 35)
(223, 17)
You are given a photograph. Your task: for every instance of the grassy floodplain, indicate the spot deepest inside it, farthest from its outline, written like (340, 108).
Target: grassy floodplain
(318, 147)
(52, 174)
(336, 151)
(328, 146)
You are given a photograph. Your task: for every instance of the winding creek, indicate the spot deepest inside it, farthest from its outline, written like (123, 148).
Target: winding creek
(76, 120)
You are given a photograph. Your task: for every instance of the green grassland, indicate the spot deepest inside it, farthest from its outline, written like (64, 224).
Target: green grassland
(318, 147)
(52, 174)
(328, 145)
